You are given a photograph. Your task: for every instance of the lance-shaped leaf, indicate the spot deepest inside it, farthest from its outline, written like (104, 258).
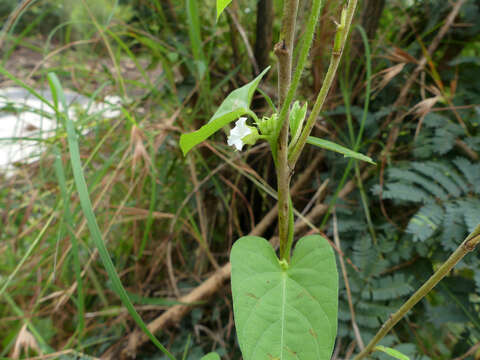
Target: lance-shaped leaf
(211, 356)
(236, 104)
(297, 117)
(221, 5)
(329, 145)
(285, 312)
(392, 352)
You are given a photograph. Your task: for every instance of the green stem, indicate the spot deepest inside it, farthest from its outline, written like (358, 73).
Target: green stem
(307, 40)
(284, 51)
(284, 48)
(467, 246)
(327, 84)
(291, 229)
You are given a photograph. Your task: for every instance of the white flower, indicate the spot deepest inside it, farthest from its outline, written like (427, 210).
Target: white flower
(238, 133)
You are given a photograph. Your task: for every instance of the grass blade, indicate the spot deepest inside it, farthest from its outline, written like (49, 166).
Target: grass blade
(87, 209)
(68, 219)
(28, 253)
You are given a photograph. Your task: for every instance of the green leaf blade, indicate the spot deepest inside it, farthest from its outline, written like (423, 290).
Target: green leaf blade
(330, 145)
(221, 5)
(392, 352)
(211, 356)
(282, 314)
(236, 104)
(190, 140)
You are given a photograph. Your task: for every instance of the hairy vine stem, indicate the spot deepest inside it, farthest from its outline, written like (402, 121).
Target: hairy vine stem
(284, 51)
(286, 94)
(464, 248)
(284, 48)
(340, 41)
(285, 161)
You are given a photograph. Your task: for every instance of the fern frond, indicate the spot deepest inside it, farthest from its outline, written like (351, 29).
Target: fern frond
(425, 222)
(391, 287)
(443, 178)
(437, 176)
(367, 320)
(351, 224)
(476, 278)
(454, 226)
(405, 192)
(435, 120)
(443, 141)
(380, 310)
(452, 173)
(408, 176)
(343, 311)
(470, 171)
(471, 212)
(365, 255)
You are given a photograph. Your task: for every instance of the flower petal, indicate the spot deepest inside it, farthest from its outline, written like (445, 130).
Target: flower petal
(238, 133)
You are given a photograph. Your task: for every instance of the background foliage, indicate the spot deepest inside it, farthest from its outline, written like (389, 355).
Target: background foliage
(169, 222)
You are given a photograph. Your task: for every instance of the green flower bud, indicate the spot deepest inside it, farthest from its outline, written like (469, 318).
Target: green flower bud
(267, 125)
(251, 138)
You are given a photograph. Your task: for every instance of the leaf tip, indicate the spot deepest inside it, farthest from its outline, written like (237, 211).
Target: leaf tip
(370, 160)
(183, 145)
(221, 5)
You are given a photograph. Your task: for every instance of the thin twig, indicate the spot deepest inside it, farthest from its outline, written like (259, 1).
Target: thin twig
(320, 191)
(170, 271)
(356, 331)
(464, 248)
(472, 154)
(244, 37)
(471, 351)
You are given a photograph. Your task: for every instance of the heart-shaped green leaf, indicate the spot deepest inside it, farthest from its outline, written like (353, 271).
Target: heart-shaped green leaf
(236, 104)
(329, 145)
(211, 356)
(287, 314)
(221, 5)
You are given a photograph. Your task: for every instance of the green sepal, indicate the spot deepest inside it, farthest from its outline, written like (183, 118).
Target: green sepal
(251, 138)
(267, 125)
